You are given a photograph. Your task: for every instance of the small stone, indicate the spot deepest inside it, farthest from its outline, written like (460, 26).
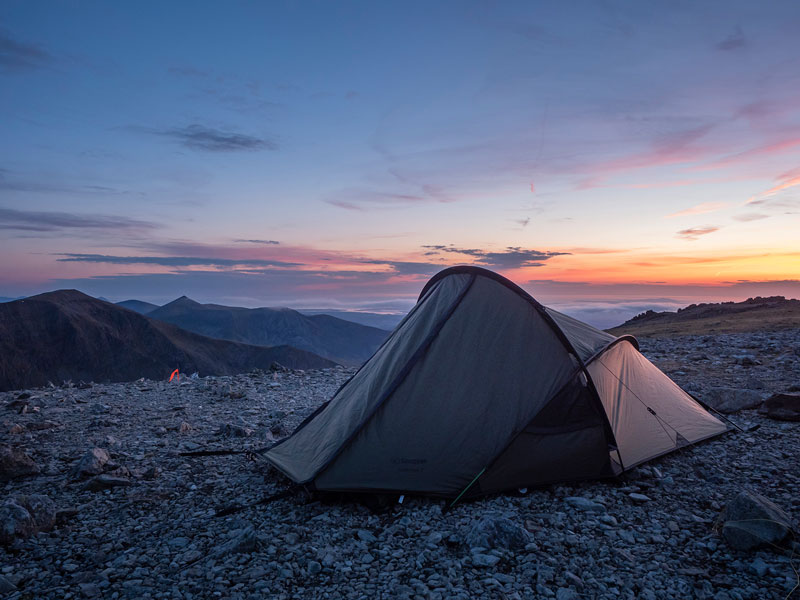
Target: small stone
(493, 531)
(6, 586)
(638, 498)
(242, 541)
(92, 463)
(234, 431)
(314, 567)
(566, 594)
(366, 536)
(584, 504)
(485, 560)
(759, 567)
(106, 481)
(184, 427)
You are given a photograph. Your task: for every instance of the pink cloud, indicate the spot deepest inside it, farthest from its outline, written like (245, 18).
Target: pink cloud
(693, 233)
(699, 209)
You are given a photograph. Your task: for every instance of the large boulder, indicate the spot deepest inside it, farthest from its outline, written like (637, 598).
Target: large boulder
(783, 407)
(24, 516)
(494, 531)
(750, 520)
(730, 400)
(15, 463)
(92, 463)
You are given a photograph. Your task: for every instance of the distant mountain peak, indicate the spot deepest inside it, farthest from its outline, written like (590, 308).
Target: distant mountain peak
(183, 301)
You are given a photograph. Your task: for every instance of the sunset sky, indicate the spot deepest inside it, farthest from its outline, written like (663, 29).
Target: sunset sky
(607, 156)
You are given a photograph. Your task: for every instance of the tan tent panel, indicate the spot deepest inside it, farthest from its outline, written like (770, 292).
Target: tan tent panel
(482, 389)
(649, 413)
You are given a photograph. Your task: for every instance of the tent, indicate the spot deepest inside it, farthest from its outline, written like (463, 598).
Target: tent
(481, 389)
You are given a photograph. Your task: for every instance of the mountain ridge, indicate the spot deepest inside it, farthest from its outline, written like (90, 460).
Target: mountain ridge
(754, 314)
(66, 334)
(339, 340)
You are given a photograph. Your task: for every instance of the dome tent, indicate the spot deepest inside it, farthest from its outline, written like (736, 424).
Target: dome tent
(481, 389)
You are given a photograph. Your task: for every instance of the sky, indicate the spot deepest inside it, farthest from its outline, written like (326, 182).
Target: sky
(608, 157)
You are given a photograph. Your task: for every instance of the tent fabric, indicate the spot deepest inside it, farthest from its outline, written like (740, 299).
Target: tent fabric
(420, 447)
(308, 450)
(482, 389)
(586, 340)
(649, 413)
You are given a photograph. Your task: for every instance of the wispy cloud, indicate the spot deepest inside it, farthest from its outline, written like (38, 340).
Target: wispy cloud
(187, 71)
(787, 180)
(699, 209)
(694, 233)
(17, 183)
(21, 56)
(746, 217)
(362, 199)
(523, 223)
(28, 220)
(174, 261)
(264, 242)
(734, 41)
(208, 139)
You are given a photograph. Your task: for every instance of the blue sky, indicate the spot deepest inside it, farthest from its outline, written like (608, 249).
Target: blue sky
(600, 154)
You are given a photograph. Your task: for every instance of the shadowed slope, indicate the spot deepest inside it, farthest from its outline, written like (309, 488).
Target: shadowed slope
(69, 335)
(339, 340)
(138, 306)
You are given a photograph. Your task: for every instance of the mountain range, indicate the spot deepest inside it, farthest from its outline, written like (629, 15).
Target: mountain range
(342, 341)
(753, 314)
(68, 335)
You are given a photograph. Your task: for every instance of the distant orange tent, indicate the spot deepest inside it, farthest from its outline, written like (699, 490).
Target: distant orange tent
(175, 373)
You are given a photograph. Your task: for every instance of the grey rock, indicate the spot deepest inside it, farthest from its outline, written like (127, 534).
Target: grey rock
(759, 567)
(92, 463)
(638, 498)
(23, 516)
(234, 431)
(106, 481)
(15, 463)
(6, 586)
(366, 536)
(782, 407)
(313, 567)
(750, 520)
(585, 504)
(485, 560)
(566, 594)
(241, 541)
(493, 531)
(730, 400)
(15, 522)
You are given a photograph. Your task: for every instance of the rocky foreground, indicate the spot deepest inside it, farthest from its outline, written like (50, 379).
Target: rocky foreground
(115, 511)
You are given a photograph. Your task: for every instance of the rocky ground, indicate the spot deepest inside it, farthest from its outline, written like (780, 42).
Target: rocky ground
(127, 516)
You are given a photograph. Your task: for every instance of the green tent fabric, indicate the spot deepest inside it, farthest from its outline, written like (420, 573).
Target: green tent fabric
(482, 389)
